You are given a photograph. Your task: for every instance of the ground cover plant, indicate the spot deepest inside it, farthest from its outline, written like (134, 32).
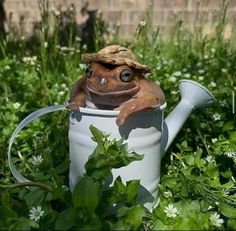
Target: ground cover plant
(197, 187)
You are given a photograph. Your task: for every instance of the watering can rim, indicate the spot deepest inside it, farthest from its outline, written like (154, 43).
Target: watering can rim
(199, 85)
(95, 111)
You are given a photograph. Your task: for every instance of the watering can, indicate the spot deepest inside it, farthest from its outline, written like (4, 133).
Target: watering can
(145, 132)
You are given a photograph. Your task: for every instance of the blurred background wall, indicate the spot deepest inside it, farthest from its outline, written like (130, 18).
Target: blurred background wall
(21, 16)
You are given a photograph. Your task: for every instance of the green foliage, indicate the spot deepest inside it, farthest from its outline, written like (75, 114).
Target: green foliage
(197, 187)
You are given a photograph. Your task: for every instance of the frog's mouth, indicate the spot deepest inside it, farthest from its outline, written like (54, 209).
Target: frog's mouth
(127, 92)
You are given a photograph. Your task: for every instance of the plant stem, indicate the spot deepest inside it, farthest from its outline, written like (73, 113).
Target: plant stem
(203, 141)
(25, 184)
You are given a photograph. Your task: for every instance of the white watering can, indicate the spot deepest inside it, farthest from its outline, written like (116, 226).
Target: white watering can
(145, 132)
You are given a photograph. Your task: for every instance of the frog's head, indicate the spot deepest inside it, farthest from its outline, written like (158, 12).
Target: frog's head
(113, 75)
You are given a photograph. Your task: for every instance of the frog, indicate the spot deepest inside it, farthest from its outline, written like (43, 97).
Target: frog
(115, 80)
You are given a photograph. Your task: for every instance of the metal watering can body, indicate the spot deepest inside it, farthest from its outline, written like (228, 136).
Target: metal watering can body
(145, 133)
(142, 132)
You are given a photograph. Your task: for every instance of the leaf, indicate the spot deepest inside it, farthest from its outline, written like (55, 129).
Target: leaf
(133, 216)
(98, 135)
(62, 167)
(107, 155)
(231, 224)
(233, 137)
(86, 194)
(66, 219)
(6, 212)
(228, 210)
(159, 225)
(24, 224)
(35, 197)
(118, 191)
(132, 190)
(229, 125)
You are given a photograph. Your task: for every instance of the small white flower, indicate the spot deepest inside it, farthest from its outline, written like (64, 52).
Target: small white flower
(142, 23)
(213, 140)
(223, 70)
(201, 71)
(45, 44)
(177, 73)
(36, 213)
(174, 92)
(173, 79)
(215, 220)
(36, 160)
(206, 56)
(231, 154)
(200, 77)
(64, 86)
(82, 66)
(7, 67)
(213, 84)
(210, 159)
(167, 194)
(213, 50)
(16, 105)
(216, 116)
(56, 13)
(223, 103)
(170, 211)
(61, 93)
(187, 75)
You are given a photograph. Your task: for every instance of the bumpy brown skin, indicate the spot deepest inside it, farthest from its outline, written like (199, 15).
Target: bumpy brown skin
(106, 91)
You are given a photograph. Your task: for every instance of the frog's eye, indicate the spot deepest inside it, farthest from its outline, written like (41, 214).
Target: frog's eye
(88, 72)
(126, 75)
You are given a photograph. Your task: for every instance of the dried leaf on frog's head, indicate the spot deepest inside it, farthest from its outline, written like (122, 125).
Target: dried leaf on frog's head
(116, 55)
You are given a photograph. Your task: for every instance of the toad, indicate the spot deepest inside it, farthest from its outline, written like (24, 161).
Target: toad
(115, 80)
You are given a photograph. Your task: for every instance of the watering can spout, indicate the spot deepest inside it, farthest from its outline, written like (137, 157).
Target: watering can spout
(193, 95)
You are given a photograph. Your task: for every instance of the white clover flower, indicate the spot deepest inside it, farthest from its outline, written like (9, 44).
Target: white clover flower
(213, 84)
(223, 70)
(36, 213)
(215, 220)
(206, 56)
(167, 194)
(36, 160)
(16, 105)
(170, 211)
(216, 116)
(174, 92)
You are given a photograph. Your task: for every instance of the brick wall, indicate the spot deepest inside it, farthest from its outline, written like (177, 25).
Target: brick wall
(127, 13)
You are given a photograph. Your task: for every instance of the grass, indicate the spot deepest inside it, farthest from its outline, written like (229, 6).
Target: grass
(198, 171)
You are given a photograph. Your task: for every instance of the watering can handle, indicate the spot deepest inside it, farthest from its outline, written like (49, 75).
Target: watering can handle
(22, 124)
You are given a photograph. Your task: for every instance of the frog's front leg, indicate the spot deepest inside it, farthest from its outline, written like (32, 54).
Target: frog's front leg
(78, 95)
(145, 102)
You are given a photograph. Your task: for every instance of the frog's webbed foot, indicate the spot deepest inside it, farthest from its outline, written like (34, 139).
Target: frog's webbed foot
(77, 101)
(145, 102)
